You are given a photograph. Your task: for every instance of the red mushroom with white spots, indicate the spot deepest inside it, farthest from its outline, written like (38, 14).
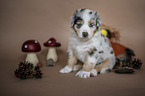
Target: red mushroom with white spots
(52, 54)
(31, 47)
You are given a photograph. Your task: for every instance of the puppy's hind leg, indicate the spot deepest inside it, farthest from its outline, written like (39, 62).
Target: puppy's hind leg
(72, 60)
(106, 65)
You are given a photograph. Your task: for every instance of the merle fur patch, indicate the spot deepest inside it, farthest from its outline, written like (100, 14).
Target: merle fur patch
(92, 52)
(100, 60)
(90, 12)
(111, 52)
(108, 70)
(82, 9)
(102, 35)
(68, 55)
(98, 63)
(76, 19)
(96, 14)
(101, 52)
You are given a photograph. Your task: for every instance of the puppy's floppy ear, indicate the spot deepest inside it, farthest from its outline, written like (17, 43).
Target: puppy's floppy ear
(72, 20)
(73, 17)
(98, 20)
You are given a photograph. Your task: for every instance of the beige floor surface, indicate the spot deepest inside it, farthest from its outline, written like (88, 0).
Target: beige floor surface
(21, 20)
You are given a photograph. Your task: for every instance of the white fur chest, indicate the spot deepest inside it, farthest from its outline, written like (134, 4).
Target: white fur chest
(81, 51)
(80, 48)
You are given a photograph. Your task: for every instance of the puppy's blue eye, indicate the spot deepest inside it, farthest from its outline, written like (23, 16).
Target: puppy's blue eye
(91, 25)
(79, 25)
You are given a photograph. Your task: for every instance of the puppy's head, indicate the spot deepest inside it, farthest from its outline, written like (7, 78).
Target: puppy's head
(85, 23)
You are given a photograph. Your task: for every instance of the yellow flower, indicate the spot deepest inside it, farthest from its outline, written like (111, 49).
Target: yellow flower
(104, 32)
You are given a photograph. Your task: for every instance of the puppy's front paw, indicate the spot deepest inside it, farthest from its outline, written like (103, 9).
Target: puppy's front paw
(93, 73)
(66, 69)
(83, 74)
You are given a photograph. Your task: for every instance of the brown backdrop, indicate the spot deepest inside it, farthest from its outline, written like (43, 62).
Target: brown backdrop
(21, 20)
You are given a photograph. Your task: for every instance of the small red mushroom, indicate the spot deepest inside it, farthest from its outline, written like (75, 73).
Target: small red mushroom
(52, 54)
(31, 47)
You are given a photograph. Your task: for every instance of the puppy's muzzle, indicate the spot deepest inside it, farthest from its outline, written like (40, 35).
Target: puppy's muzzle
(85, 34)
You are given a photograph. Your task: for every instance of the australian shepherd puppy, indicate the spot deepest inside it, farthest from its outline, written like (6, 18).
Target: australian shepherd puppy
(89, 52)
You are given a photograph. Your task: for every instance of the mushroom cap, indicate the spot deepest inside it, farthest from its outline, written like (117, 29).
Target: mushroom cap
(52, 43)
(31, 46)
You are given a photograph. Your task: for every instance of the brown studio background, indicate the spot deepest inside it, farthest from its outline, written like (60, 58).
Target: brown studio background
(21, 20)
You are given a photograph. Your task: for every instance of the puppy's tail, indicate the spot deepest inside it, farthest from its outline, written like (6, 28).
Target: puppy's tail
(129, 52)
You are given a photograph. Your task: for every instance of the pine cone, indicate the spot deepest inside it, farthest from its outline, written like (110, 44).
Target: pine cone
(24, 71)
(37, 73)
(124, 70)
(123, 66)
(136, 63)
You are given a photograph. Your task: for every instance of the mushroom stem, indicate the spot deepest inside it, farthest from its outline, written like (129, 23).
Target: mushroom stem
(32, 58)
(52, 54)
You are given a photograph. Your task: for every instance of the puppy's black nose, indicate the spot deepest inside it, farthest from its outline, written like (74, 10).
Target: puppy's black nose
(85, 34)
